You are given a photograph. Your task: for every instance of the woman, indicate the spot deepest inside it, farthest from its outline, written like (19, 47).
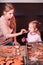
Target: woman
(8, 26)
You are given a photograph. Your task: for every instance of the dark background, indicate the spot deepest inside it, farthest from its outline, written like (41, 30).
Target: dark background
(25, 12)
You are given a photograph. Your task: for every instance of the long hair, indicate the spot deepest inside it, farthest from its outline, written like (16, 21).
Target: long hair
(8, 7)
(13, 23)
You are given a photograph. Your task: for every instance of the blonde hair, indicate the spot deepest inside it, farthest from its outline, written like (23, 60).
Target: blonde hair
(8, 7)
(13, 23)
(35, 24)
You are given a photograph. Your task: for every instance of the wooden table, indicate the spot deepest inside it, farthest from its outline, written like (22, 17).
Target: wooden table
(10, 51)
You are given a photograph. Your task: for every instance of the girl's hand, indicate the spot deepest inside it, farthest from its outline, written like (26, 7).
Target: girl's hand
(23, 39)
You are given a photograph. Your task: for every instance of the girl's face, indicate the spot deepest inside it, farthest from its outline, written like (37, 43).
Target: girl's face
(31, 28)
(9, 14)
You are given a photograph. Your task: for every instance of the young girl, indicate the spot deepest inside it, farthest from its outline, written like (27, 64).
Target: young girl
(34, 34)
(8, 26)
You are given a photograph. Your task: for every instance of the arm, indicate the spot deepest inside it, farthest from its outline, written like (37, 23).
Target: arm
(13, 26)
(6, 31)
(13, 35)
(39, 40)
(15, 40)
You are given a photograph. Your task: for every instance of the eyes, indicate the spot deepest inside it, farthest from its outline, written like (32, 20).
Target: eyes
(10, 13)
(30, 28)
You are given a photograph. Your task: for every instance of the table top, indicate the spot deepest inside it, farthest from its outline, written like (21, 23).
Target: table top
(11, 51)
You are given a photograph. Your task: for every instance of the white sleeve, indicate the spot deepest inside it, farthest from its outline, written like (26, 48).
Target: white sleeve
(27, 37)
(39, 38)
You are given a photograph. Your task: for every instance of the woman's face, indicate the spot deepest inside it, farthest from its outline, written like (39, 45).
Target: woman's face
(9, 14)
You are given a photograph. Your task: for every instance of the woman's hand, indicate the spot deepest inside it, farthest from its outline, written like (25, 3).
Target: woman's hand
(16, 43)
(23, 31)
